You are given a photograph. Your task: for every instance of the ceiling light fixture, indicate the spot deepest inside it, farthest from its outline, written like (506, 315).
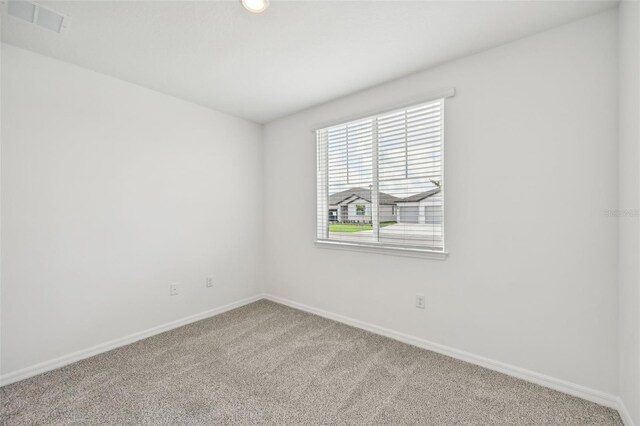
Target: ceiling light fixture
(255, 6)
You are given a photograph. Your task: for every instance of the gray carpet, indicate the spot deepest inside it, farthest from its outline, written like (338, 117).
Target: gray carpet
(268, 364)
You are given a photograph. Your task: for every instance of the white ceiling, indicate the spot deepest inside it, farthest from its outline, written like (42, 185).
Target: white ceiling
(297, 54)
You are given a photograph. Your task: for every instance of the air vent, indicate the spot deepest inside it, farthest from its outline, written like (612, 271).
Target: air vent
(36, 14)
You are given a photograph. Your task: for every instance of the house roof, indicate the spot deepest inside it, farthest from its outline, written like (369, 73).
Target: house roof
(420, 196)
(364, 193)
(385, 199)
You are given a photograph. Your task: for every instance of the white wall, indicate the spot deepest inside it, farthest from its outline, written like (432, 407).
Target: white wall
(110, 192)
(531, 167)
(629, 195)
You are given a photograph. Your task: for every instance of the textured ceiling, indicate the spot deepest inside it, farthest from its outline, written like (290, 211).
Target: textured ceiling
(295, 55)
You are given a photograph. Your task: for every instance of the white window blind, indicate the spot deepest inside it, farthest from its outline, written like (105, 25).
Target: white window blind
(380, 180)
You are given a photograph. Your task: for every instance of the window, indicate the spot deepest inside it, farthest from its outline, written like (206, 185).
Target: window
(390, 167)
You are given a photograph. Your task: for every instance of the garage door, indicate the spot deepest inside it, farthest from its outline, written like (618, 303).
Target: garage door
(408, 214)
(433, 214)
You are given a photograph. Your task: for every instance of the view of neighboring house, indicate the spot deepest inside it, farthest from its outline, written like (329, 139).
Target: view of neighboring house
(425, 207)
(354, 205)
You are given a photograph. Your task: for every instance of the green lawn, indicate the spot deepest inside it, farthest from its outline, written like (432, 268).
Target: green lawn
(354, 227)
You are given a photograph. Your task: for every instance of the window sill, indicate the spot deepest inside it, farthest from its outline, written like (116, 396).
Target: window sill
(382, 249)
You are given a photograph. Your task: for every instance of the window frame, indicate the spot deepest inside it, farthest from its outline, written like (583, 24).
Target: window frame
(377, 247)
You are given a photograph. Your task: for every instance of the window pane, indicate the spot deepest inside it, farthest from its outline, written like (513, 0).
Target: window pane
(410, 169)
(350, 180)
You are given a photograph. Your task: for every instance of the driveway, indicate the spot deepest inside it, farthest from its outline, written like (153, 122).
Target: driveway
(399, 233)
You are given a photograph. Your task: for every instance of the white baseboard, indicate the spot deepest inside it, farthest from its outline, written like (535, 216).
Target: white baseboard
(624, 413)
(560, 385)
(43, 367)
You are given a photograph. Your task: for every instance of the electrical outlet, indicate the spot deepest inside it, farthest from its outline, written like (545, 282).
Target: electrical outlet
(174, 289)
(420, 301)
(209, 281)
